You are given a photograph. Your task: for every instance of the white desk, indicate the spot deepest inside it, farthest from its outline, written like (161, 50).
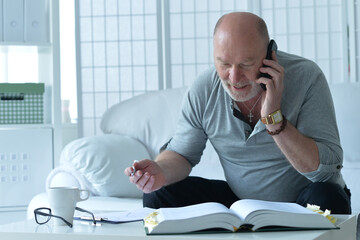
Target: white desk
(30, 230)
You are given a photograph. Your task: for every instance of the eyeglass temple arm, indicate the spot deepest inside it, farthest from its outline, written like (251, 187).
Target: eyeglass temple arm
(86, 211)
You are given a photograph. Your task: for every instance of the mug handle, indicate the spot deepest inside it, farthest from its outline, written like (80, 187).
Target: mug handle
(84, 198)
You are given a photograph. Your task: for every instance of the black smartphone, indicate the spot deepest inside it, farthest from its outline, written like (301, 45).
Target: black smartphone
(271, 47)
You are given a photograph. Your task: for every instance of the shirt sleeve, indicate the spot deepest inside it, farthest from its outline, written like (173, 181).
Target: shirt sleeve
(317, 120)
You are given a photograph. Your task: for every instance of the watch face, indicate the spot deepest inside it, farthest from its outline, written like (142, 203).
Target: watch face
(273, 118)
(277, 117)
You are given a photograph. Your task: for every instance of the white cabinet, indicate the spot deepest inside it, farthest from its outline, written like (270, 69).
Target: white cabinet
(24, 21)
(25, 161)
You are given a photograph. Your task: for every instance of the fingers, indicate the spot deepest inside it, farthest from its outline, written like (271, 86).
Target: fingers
(128, 171)
(146, 175)
(148, 187)
(143, 181)
(272, 68)
(272, 64)
(276, 72)
(146, 183)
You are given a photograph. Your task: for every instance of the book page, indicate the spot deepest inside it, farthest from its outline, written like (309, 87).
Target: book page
(246, 206)
(193, 211)
(192, 218)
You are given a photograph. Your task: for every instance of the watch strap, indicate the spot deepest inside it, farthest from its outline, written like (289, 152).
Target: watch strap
(282, 127)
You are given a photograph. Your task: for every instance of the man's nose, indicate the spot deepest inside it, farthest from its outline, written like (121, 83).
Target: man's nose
(235, 74)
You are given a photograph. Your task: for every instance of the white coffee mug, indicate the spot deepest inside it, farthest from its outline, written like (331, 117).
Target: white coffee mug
(63, 201)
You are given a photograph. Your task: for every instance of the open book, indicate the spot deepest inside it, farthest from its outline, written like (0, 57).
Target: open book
(246, 214)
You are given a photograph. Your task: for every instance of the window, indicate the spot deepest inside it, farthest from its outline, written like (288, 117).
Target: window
(131, 47)
(118, 45)
(68, 61)
(312, 29)
(191, 25)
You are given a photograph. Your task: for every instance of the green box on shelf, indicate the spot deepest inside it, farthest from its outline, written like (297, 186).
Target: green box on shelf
(22, 103)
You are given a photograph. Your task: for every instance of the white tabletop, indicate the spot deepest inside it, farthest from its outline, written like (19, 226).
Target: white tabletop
(84, 231)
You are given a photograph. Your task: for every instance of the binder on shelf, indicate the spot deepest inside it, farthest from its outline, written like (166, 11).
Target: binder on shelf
(13, 21)
(1, 21)
(36, 22)
(24, 22)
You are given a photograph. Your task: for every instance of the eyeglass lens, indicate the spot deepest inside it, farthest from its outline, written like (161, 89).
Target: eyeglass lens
(42, 215)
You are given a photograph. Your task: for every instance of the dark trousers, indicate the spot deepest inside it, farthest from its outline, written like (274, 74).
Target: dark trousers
(194, 190)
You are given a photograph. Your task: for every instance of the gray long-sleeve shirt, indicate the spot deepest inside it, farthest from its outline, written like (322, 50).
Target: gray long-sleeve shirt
(254, 166)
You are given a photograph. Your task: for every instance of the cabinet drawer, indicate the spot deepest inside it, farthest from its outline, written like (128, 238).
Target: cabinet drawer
(26, 158)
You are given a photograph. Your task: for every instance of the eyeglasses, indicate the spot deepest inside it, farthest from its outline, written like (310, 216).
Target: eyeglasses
(43, 215)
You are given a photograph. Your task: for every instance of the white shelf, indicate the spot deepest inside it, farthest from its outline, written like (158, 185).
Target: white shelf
(35, 44)
(13, 209)
(27, 126)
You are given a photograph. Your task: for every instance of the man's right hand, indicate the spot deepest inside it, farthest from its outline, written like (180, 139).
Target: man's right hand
(169, 167)
(148, 175)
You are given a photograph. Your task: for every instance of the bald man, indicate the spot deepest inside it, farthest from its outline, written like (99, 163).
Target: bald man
(277, 143)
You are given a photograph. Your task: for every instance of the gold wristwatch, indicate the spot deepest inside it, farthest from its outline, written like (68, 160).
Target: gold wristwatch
(273, 118)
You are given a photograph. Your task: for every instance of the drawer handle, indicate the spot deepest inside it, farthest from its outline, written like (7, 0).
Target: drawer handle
(12, 98)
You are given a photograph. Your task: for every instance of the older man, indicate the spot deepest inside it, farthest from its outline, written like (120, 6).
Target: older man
(277, 143)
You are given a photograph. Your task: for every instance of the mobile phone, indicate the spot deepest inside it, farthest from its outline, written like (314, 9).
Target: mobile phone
(271, 47)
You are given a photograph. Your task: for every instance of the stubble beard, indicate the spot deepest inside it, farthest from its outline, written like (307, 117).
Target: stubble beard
(254, 91)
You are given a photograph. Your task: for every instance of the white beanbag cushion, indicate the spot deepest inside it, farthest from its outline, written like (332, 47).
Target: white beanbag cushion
(150, 118)
(101, 161)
